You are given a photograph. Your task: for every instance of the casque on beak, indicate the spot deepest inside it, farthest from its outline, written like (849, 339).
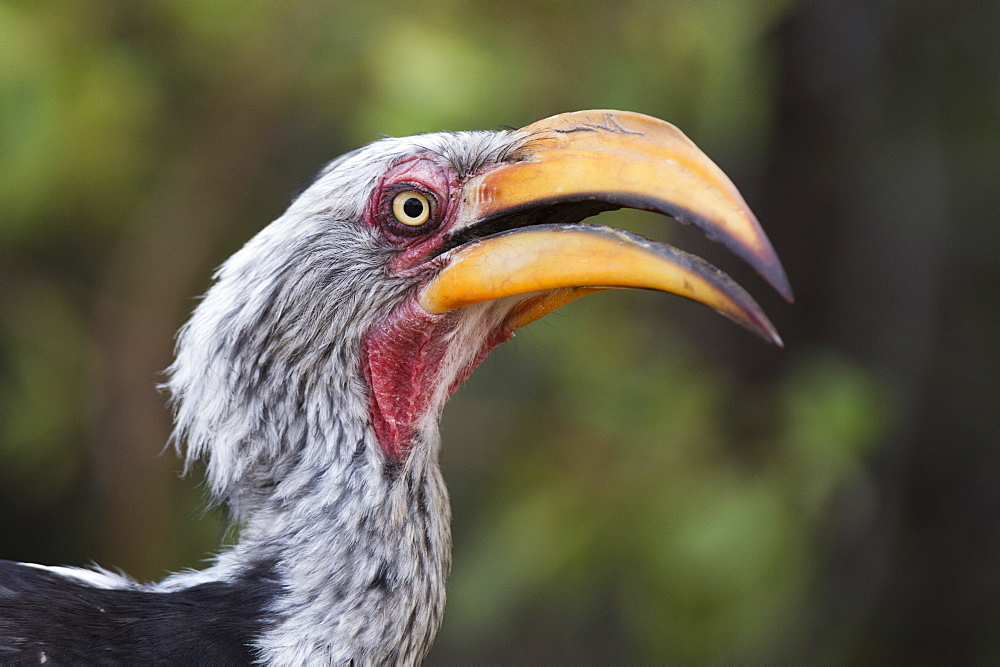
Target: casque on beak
(518, 228)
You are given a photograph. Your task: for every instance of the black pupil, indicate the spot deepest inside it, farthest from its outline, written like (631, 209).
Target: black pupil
(413, 207)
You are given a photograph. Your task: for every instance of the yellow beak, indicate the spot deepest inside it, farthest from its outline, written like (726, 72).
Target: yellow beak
(572, 166)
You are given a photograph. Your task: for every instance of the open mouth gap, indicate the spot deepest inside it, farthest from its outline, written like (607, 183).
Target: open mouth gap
(563, 212)
(535, 214)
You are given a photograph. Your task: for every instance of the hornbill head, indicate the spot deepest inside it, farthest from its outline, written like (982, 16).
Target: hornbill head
(407, 261)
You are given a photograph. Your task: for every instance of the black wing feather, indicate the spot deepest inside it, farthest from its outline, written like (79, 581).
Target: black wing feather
(46, 617)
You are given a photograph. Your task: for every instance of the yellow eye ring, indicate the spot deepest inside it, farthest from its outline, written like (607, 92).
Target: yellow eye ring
(411, 208)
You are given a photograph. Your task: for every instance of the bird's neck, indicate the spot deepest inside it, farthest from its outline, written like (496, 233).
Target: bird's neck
(362, 553)
(362, 539)
(356, 528)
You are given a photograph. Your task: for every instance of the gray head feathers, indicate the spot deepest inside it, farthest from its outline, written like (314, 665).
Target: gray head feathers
(266, 370)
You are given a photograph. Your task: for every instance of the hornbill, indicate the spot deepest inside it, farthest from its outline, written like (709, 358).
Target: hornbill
(311, 377)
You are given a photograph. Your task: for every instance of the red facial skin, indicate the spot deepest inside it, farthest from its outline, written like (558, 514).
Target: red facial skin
(402, 354)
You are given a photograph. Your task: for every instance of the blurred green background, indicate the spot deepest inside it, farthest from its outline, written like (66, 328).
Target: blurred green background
(634, 478)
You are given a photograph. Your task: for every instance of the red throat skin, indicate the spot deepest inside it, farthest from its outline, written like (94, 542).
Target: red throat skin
(406, 359)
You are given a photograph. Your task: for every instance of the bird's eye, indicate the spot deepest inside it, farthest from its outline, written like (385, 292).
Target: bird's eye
(411, 208)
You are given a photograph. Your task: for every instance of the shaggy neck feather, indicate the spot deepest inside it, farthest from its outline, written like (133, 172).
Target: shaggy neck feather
(348, 528)
(347, 534)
